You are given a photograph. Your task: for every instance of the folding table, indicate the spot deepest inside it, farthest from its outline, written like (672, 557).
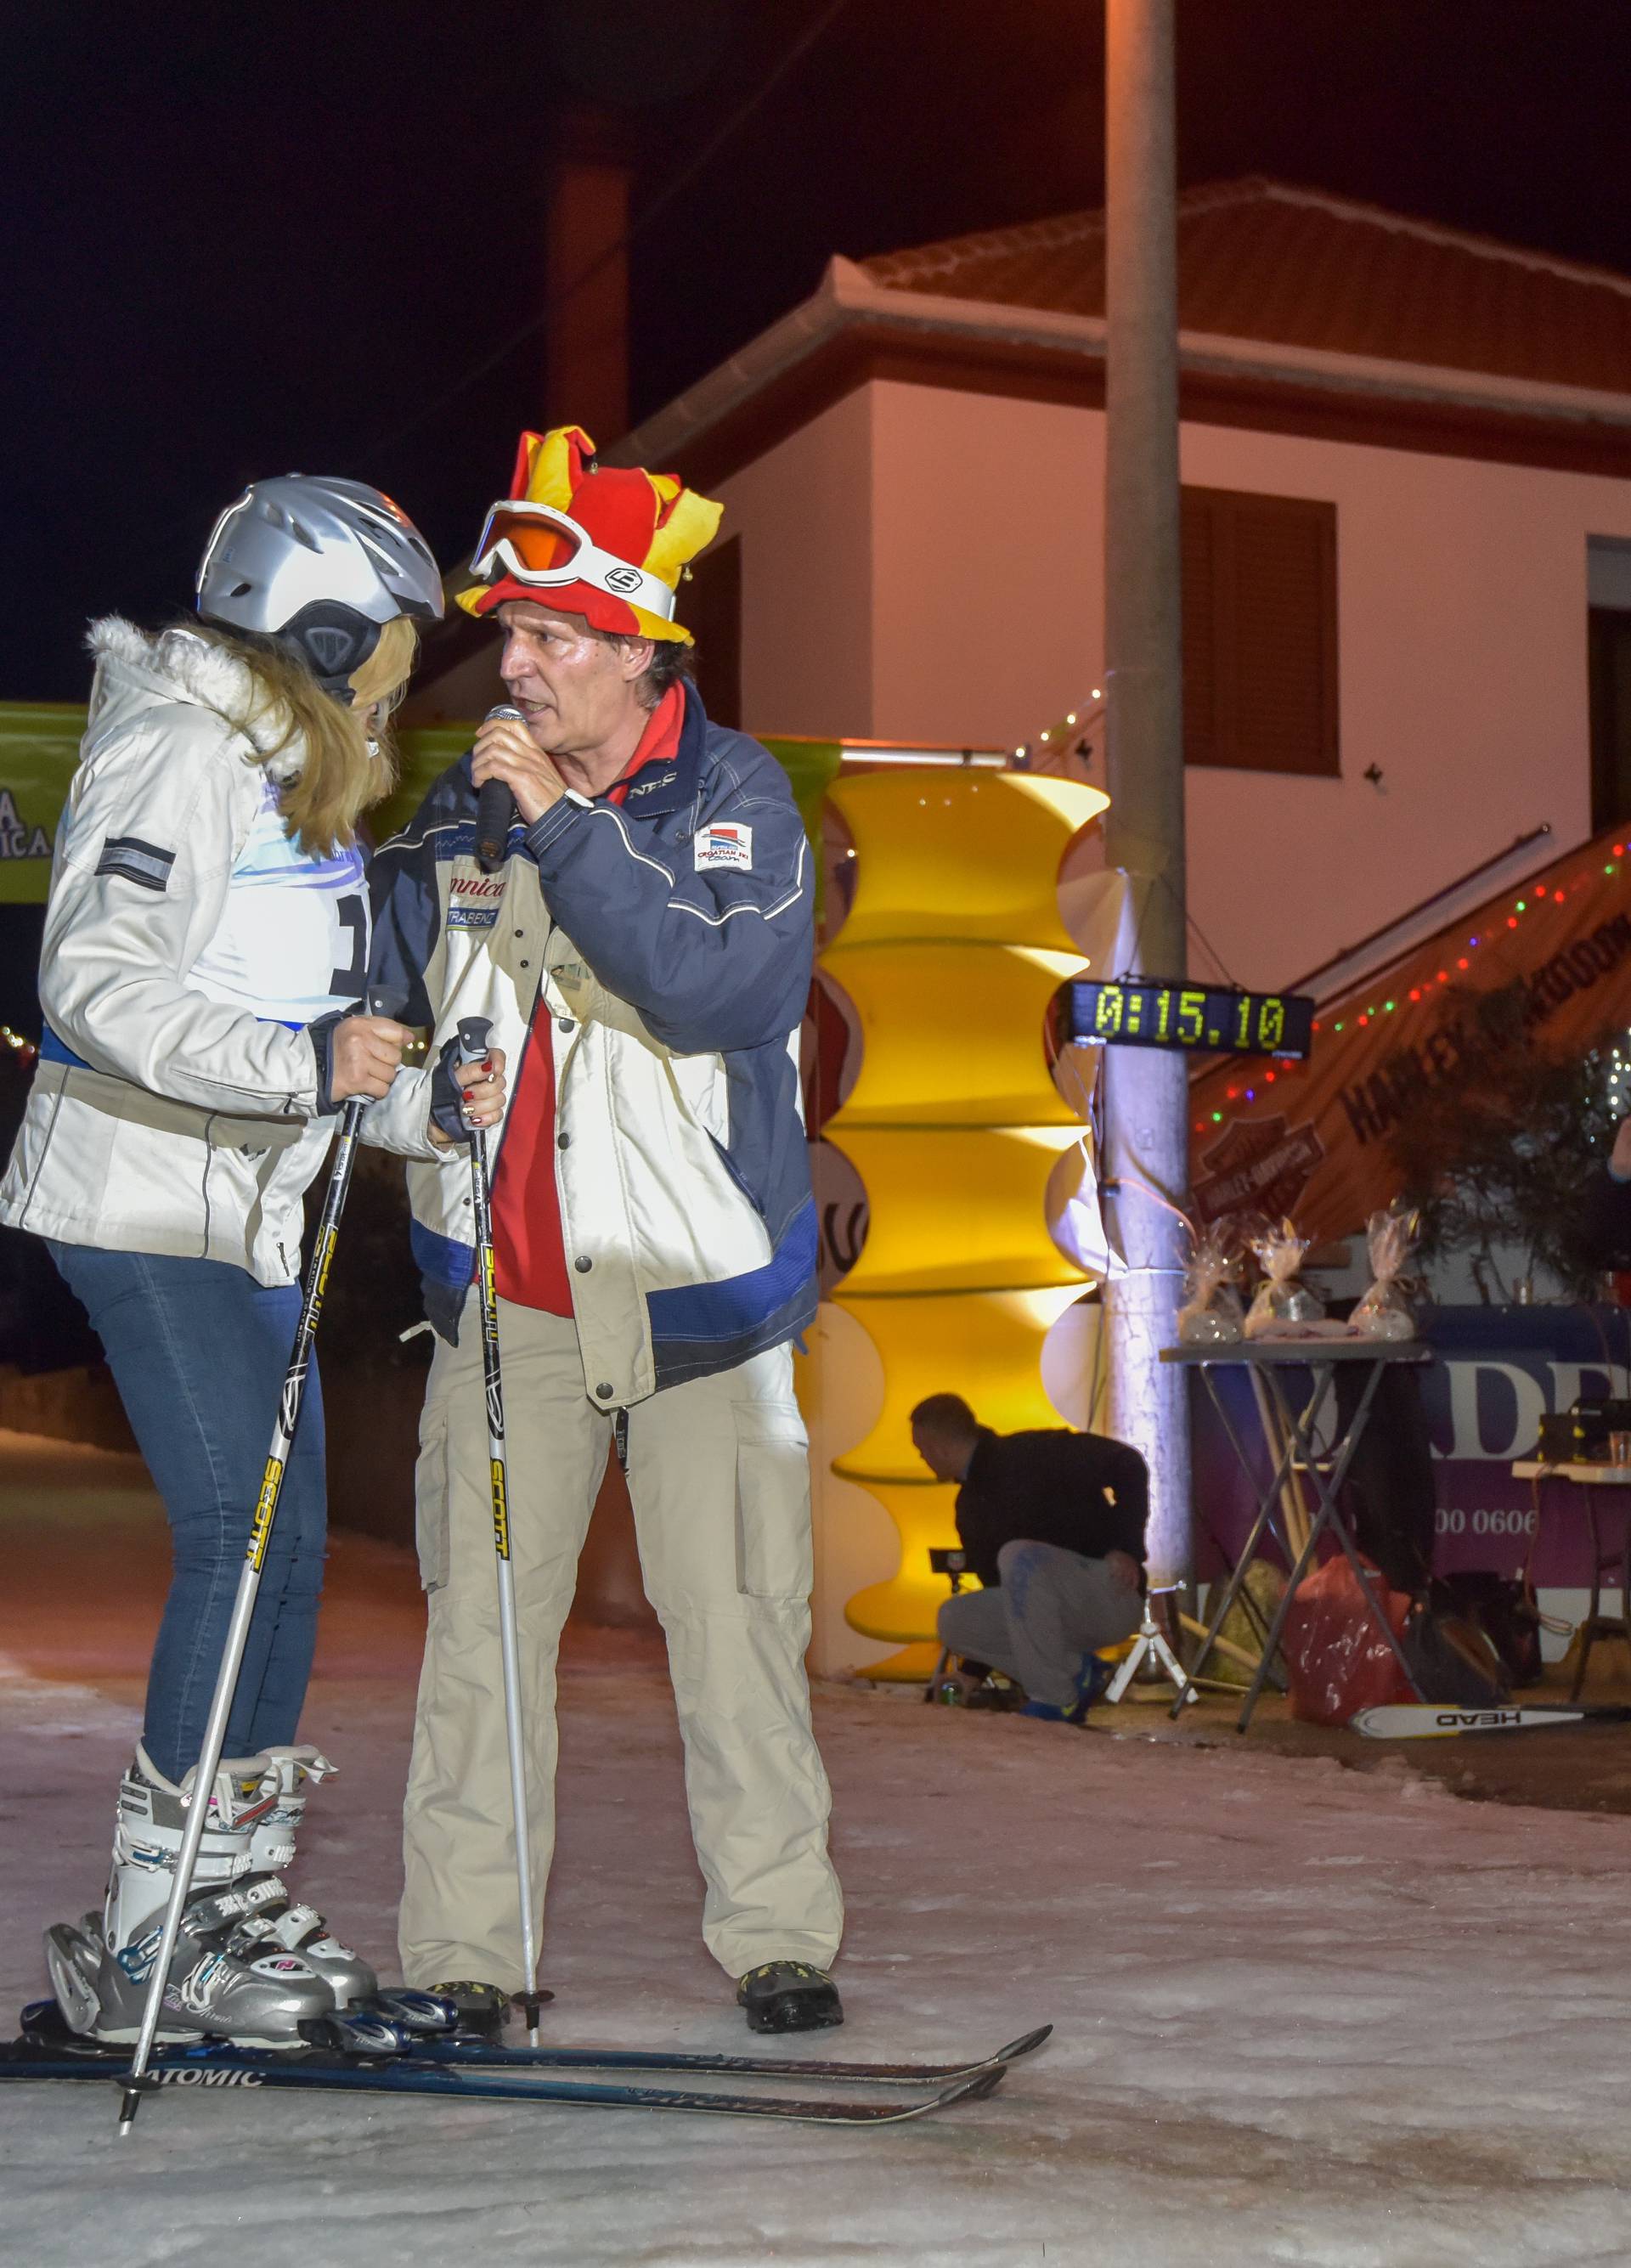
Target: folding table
(1592, 1477)
(1324, 1465)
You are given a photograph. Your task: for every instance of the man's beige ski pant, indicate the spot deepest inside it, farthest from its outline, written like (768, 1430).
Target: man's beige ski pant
(719, 1481)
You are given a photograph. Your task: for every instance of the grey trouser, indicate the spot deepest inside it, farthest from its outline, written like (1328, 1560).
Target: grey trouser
(1051, 1608)
(718, 1475)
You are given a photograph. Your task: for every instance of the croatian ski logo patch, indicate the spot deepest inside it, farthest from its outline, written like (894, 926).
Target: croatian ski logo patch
(725, 844)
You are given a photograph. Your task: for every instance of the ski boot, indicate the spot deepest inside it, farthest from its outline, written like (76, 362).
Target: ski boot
(479, 2009)
(231, 1976)
(789, 1996)
(299, 1929)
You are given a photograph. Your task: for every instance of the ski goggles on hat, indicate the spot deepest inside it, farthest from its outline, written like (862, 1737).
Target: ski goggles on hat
(546, 550)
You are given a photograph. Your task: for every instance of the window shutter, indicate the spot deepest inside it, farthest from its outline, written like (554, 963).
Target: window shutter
(1260, 632)
(1197, 526)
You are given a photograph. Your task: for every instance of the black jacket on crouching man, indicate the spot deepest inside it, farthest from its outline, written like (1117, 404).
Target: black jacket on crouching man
(1081, 1491)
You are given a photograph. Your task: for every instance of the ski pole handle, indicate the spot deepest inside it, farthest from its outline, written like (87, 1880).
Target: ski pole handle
(475, 1033)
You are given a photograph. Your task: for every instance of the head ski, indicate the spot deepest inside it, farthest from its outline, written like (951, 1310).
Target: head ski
(1426, 1721)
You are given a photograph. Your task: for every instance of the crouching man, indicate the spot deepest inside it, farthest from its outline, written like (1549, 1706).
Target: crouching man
(1052, 1523)
(644, 954)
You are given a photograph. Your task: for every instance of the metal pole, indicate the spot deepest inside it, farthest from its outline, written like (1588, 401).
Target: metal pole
(473, 1036)
(1146, 1141)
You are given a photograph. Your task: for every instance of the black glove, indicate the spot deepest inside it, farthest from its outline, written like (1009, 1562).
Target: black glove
(447, 1094)
(447, 1097)
(380, 1000)
(321, 1036)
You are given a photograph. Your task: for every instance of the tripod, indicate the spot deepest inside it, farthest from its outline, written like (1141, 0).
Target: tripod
(1150, 1640)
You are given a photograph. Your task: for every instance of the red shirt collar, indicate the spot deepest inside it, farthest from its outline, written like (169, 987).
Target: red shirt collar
(660, 742)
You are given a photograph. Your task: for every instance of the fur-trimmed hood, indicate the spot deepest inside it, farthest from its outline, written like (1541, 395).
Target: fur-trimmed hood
(189, 667)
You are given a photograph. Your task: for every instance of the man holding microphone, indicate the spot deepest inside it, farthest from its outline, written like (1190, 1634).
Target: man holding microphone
(643, 951)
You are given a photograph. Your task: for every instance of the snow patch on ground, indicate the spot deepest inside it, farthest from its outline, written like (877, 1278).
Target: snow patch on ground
(1305, 2015)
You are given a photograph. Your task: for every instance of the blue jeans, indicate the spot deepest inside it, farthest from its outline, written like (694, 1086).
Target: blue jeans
(198, 1350)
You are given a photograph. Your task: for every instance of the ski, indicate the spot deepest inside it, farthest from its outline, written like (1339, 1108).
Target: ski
(1422, 1721)
(321, 2071)
(375, 2036)
(482, 2055)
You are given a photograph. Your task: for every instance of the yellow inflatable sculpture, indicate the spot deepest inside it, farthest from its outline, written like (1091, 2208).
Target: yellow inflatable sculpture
(952, 949)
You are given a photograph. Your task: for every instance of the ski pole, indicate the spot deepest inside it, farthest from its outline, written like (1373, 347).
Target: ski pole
(473, 1033)
(136, 2080)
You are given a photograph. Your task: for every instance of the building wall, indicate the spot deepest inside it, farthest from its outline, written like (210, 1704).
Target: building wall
(807, 631)
(1462, 614)
(1461, 600)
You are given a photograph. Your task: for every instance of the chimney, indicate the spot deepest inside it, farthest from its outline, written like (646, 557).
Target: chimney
(586, 278)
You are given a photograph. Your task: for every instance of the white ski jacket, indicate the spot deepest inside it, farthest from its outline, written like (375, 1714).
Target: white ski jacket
(188, 944)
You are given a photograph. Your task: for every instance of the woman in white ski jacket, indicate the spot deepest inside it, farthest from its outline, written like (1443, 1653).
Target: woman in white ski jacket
(205, 944)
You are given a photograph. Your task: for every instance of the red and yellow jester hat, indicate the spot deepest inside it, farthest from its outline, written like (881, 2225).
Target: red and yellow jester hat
(608, 542)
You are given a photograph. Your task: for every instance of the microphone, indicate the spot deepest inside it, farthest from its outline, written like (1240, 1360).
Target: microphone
(495, 805)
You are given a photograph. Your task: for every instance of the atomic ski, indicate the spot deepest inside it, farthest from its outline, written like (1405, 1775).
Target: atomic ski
(1422, 1721)
(479, 2055)
(479, 2073)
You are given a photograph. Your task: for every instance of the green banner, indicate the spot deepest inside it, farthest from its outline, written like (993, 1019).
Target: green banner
(40, 747)
(811, 766)
(421, 758)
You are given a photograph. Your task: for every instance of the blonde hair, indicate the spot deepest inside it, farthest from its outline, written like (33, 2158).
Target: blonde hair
(348, 755)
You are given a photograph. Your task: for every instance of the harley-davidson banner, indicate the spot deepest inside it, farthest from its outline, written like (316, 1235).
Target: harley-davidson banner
(1310, 1139)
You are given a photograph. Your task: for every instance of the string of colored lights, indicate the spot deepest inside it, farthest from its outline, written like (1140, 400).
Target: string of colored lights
(1533, 900)
(1617, 1073)
(1077, 719)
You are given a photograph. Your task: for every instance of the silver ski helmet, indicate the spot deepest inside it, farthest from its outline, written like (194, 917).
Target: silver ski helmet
(319, 564)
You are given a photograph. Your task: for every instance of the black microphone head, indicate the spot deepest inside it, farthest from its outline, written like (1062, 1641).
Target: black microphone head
(495, 812)
(495, 805)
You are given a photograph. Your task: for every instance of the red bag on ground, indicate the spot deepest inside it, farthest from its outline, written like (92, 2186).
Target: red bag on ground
(1338, 1660)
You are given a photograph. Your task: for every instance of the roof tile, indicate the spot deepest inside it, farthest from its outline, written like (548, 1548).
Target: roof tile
(1261, 259)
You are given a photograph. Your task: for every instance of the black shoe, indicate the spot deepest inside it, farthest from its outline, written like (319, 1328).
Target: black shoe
(481, 2009)
(789, 1996)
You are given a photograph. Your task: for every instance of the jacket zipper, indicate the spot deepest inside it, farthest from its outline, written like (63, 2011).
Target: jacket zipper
(210, 1120)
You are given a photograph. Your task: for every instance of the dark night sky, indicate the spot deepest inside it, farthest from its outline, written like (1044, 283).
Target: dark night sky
(244, 240)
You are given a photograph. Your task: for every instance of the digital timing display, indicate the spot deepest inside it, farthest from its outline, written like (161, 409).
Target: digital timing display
(1148, 1012)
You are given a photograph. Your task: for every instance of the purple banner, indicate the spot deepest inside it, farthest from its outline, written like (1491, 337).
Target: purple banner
(1500, 1370)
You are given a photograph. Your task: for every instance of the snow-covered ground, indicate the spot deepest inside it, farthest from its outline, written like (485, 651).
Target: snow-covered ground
(1305, 2016)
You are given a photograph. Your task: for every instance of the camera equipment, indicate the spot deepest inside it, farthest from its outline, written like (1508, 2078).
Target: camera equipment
(1149, 1638)
(1595, 1417)
(1556, 1445)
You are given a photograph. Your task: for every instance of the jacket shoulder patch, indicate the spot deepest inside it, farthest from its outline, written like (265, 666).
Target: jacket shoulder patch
(724, 842)
(136, 861)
